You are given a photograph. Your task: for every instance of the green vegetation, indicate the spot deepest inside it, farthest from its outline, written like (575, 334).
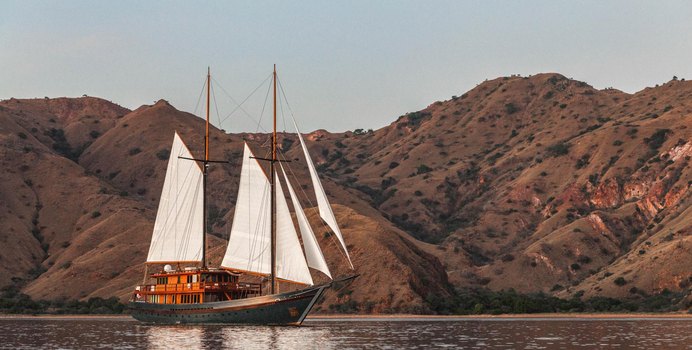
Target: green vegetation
(422, 169)
(483, 301)
(94, 134)
(510, 108)
(61, 145)
(163, 154)
(656, 140)
(134, 151)
(14, 302)
(559, 149)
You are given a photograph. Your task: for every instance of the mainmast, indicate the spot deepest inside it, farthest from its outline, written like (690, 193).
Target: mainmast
(204, 176)
(273, 195)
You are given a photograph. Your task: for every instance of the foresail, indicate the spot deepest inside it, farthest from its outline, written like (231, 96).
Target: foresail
(313, 252)
(249, 244)
(179, 224)
(290, 261)
(323, 205)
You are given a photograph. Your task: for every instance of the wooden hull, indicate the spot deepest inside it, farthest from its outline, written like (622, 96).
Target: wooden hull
(289, 308)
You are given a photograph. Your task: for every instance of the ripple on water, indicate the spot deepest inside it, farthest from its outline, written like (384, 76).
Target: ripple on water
(351, 334)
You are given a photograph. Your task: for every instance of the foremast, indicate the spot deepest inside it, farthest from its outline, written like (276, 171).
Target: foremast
(205, 167)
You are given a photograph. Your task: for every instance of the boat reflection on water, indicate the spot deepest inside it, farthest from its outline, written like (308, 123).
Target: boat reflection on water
(218, 336)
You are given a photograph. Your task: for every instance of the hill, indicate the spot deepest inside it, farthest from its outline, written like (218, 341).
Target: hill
(540, 184)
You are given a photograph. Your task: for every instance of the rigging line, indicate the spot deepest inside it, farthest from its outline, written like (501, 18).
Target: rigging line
(283, 93)
(283, 117)
(315, 209)
(213, 93)
(266, 97)
(239, 105)
(204, 83)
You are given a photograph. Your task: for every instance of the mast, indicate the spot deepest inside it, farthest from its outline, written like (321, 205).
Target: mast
(273, 195)
(204, 176)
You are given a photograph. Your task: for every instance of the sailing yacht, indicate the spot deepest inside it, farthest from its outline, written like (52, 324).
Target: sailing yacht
(263, 244)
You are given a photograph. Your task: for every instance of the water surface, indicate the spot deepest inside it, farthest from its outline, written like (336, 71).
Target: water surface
(405, 333)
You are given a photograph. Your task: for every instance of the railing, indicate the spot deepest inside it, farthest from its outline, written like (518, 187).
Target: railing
(197, 287)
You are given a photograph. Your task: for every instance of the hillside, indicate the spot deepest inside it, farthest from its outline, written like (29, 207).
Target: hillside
(537, 183)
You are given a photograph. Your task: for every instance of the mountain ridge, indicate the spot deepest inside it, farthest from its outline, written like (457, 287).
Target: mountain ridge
(533, 183)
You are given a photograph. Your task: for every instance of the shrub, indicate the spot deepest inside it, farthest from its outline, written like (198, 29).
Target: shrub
(94, 134)
(620, 281)
(559, 149)
(393, 165)
(163, 154)
(422, 169)
(21, 135)
(510, 108)
(655, 141)
(95, 214)
(583, 161)
(134, 151)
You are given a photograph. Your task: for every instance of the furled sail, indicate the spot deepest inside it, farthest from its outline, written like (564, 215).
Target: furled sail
(249, 245)
(313, 252)
(290, 261)
(325, 208)
(179, 224)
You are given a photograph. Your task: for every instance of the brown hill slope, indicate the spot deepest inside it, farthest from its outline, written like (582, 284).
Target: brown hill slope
(535, 183)
(538, 184)
(100, 211)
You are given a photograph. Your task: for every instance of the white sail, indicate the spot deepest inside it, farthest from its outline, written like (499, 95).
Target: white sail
(249, 245)
(322, 203)
(313, 252)
(179, 224)
(290, 261)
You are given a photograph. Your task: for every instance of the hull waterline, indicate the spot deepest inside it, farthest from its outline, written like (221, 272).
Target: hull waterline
(289, 308)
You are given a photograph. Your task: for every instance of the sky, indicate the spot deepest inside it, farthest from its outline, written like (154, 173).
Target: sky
(343, 65)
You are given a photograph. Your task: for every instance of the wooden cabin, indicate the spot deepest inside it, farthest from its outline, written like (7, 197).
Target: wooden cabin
(196, 286)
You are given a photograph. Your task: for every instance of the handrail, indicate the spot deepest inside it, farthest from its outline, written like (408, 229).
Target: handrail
(198, 286)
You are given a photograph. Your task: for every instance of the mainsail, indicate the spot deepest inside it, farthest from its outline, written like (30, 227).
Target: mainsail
(290, 261)
(313, 252)
(179, 224)
(249, 245)
(323, 205)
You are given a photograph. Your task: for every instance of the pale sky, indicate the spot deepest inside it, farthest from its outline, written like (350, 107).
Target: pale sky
(343, 64)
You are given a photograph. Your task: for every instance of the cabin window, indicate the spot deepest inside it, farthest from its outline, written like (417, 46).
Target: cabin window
(178, 279)
(194, 278)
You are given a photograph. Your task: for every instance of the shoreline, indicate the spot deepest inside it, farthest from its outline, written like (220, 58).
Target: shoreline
(400, 317)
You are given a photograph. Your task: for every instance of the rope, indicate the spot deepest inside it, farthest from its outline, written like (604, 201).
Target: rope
(200, 96)
(218, 117)
(239, 105)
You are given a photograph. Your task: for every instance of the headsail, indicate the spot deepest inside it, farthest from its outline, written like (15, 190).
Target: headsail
(325, 208)
(290, 261)
(179, 224)
(313, 252)
(249, 245)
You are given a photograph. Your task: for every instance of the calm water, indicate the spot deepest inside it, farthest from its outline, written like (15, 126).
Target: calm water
(121, 333)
